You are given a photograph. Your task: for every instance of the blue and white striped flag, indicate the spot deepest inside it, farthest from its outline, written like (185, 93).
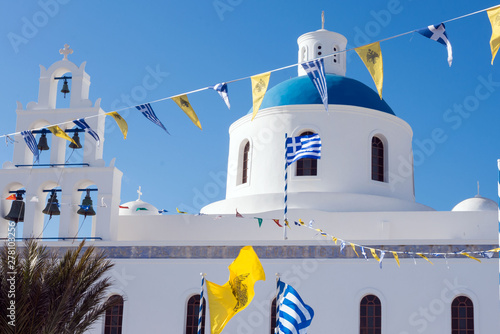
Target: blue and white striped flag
(315, 69)
(84, 126)
(148, 112)
(31, 142)
(303, 147)
(221, 88)
(293, 315)
(438, 33)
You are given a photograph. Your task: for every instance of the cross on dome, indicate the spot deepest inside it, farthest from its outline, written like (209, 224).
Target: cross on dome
(140, 193)
(66, 51)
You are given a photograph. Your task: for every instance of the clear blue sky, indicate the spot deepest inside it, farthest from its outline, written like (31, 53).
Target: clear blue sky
(194, 44)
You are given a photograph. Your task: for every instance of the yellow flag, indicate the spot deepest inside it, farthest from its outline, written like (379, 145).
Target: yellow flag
(179, 211)
(471, 257)
(183, 102)
(371, 55)
(354, 249)
(494, 250)
(396, 257)
(424, 257)
(122, 124)
(374, 254)
(494, 16)
(259, 88)
(228, 299)
(58, 132)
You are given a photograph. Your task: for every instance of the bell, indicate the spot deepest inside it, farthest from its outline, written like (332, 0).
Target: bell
(16, 213)
(86, 207)
(77, 141)
(65, 88)
(42, 143)
(52, 207)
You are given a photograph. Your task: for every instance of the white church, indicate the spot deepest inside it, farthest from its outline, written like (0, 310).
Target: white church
(356, 192)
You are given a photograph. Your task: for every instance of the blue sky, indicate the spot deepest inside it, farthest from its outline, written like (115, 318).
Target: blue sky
(194, 44)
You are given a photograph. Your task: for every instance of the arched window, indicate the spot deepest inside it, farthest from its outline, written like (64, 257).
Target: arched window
(193, 310)
(244, 171)
(273, 315)
(377, 159)
(462, 316)
(307, 166)
(370, 315)
(114, 316)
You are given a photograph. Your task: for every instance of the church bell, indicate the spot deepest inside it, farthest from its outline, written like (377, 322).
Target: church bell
(86, 208)
(77, 141)
(65, 88)
(16, 213)
(42, 143)
(52, 207)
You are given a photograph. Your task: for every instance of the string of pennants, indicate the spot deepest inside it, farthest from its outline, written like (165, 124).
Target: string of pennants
(370, 54)
(377, 254)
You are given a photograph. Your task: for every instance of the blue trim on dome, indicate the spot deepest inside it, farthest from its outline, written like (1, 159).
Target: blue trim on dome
(341, 91)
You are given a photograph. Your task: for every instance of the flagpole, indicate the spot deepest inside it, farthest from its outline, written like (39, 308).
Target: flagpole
(276, 323)
(200, 312)
(285, 193)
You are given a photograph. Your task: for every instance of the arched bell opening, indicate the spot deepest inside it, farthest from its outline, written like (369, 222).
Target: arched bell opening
(64, 81)
(13, 210)
(87, 210)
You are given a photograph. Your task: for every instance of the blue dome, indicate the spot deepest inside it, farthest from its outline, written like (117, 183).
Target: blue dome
(341, 90)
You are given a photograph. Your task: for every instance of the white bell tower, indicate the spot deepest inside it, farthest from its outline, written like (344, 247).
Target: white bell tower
(321, 43)
(69, 178)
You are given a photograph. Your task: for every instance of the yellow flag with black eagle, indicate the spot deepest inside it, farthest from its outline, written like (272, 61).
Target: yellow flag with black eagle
(226, 300)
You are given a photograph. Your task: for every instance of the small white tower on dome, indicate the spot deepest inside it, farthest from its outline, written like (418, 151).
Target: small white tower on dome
(321, 43)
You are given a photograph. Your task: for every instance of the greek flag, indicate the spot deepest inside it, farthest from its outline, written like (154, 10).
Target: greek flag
(303, 147)
(315, 69)
(293, 315)
(31, 142)
(84, 126)
(148, 112)
(438, 33)
(221, 88)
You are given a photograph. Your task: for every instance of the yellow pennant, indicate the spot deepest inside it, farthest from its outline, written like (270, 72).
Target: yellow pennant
(425, 257)
(335, 240)
(354, 249)
(122, 124)
(183, 102)
(235, 295)
(301, 222)
(259, 88)
(374, 254)
(371, 55)
(494, 16)
(179, 211)
(58, 132)
(396, 258)
(496, 250)
(471, 257)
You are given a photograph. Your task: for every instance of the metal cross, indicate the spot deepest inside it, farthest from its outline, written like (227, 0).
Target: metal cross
(139, 192)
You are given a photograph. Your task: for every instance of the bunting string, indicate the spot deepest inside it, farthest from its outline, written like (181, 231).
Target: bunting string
(193, 116)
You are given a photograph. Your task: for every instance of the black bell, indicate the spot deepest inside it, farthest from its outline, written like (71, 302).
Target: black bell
(42, 143)
(86, 207)
(77, 141)
(65, 88)
(16, 213)
(52, 207)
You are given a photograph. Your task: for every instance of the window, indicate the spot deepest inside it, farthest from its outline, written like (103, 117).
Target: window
(307, 166)
(377, 159)
(114, 316)
(193, 310)
(273, 315)
(370, 315)
(244, 171)
(462, 316)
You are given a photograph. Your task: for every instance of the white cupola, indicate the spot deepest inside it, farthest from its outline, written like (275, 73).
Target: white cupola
(321, 43)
